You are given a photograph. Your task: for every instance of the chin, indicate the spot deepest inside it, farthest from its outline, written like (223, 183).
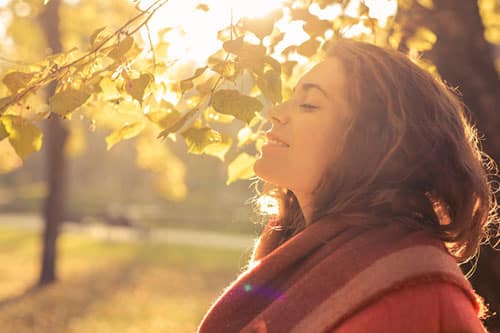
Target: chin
(266, 171)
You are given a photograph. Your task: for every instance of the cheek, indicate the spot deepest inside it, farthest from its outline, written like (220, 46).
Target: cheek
(310, 160)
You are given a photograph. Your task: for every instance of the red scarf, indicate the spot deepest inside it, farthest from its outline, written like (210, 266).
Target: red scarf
(326, 273)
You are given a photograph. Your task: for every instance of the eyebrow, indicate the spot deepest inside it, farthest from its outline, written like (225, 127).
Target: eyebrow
(309, 86)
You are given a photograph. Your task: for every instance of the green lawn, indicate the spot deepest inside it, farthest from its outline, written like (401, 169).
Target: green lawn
(103, 287)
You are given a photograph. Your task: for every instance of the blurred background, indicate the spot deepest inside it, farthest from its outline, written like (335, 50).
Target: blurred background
(143, 235)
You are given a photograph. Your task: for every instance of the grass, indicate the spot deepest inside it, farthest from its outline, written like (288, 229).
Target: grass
(110, 287)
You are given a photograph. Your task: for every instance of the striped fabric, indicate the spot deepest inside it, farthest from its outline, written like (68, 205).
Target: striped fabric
(328, 272)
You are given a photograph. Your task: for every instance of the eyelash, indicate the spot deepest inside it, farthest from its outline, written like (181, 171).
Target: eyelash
(309, 106)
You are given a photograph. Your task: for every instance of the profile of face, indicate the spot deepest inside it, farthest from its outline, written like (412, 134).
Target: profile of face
(307, 130)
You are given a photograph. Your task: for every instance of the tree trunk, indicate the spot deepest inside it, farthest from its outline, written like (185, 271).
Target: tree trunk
(466, 60)
(56, 135)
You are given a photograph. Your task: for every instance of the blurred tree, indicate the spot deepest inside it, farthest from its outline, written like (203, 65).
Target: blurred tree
(465, 59)
(56, 136)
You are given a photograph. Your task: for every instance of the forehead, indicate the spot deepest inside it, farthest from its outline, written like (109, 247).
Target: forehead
(328, 74)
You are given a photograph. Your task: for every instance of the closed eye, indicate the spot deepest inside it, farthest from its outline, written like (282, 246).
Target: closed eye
(309, 106)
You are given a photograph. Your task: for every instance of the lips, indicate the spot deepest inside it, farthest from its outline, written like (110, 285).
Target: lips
(273, 138)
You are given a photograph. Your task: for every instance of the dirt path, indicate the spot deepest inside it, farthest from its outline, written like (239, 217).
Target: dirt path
(126, 234)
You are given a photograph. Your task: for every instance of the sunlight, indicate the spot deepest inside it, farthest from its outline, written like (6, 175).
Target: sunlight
(268, 205)
(198, 39)
(190, 27)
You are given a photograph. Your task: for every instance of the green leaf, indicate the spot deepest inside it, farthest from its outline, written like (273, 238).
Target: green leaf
(16, 81)
(219, 149)
(136, 87)
(68, 100)
(126, 132)
(24, 137)
(422, 40)
(177, 125)
(240, 168)
(121, 48)
(231, 102)
(198, 139)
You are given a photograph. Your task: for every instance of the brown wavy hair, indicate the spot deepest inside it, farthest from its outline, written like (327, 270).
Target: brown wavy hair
(411, 155)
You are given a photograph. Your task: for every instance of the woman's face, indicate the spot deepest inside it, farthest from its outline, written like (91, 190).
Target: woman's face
(311, 126)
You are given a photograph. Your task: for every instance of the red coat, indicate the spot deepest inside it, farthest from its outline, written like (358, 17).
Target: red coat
(437, 307)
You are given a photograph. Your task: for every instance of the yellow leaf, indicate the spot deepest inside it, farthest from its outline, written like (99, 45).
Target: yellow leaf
(288, 67)
(109, 90)
(492, 34)
(240, 168)
(98, 36)
(177, 125)
(197, 139)
(233, 46)
(166, 116)
(226, 69)
(186, 85)
(203, 7)
(24, 137)
(136, 87)
(316, 27)
(211, 115)
(429, 4)
(4, 101)
(124, 133)
(219, 149)
(231, 102)
(262, 26)
(8, 156)
(309, 47)
(3, 132)
(244, 136)
(121, 48)
(270, 85)
(422, 40)
(68, 100)
(16, 81)
(363, 10)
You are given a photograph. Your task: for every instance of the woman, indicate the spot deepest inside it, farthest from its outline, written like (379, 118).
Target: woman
(383, 189)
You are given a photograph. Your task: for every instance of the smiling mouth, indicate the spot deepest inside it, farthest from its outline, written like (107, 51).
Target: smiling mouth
(272, 139)
(277, 143)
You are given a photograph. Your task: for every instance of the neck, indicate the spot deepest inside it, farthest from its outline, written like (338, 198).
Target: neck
(305, 202)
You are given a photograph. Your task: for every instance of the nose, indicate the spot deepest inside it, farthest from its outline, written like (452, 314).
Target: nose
(278, 114)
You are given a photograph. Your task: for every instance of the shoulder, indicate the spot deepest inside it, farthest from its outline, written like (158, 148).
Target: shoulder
(426, 307)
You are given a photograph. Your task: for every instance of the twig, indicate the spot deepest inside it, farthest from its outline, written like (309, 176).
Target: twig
(61, 71)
